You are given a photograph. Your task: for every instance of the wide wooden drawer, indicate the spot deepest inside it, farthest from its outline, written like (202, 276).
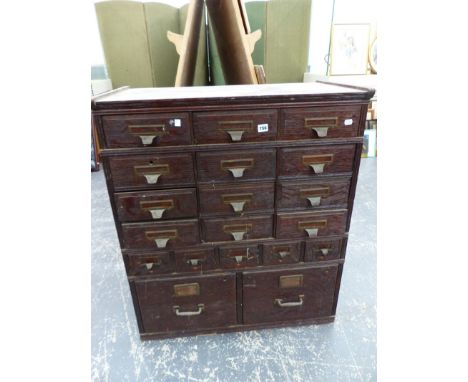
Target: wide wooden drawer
(149, 263)
(323, 249)
(237, 229)
(281, 252)
(236, 199)
(239, 256)
(320, 122)
(187, 303)
(228, 166)
(313, 161)
(146, 130)
(310, 224)
(235, 126)
(196, 259)
(156, 205)
(312, 194)
(160, 235)
(292, 294)
(152, 171)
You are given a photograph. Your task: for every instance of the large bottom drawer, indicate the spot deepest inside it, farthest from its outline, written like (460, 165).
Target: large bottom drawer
(292, 294)
(187, 303)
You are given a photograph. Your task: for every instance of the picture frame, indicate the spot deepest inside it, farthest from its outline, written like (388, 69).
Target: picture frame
(349, 49)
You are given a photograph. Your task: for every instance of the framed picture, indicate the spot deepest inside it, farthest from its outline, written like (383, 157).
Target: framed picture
(349, 51)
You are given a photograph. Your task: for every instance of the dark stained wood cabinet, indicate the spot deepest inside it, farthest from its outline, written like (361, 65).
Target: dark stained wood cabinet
(232, 203)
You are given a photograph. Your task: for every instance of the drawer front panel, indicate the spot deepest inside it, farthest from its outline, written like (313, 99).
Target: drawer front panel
(312, 194)
(148, 264)
(322, 249)
(187, 303)
(156, 205)
(316, 161)
(160, 235)
(237, 229)
(233, 257)
(235, 126)
(294, 294)
(196, 260)
(152, 171)
(309, 225)
(146, 130)
(281, 252)
(320, 122)
(229, 199)
(228, 166)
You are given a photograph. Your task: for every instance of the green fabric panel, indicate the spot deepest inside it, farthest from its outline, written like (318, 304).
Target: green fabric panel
(256, 12)
(201, 67)
(287, 40)
(217, 76)
(125, 43)
(161, 18)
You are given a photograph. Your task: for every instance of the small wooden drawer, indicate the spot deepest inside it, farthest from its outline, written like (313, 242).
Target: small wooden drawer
(187, 303)
(310, 224)
(323, 249)
(196, 260)
(237, 229)
(320, 122)
(228, 166)
(237, 199)
(235, 126)
(313, 161)
(143, 264)
(312, 194)
(160, 235)
(146, 130)
(293, 294)
(239, 256)
(152, 171)
(156, 205)
(286, 252)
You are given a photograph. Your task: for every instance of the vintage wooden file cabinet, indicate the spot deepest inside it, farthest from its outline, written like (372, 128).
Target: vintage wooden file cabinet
(232, 204)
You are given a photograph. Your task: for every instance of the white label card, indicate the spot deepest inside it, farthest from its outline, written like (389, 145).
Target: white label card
(177, 123)
(348, 122)
(262, 128)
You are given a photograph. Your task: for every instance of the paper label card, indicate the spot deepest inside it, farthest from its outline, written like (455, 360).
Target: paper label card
(262, 128)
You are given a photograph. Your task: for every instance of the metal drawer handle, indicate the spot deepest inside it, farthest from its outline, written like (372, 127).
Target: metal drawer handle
(321, 131)
(237, 166)
(157, 213)
(324, 251)
(152, 172)
(195, 262)
(147, 133)
(239, 235)
(237, 172)
(239, 258)
(314, 200)
(320, 125)
(281, 304)
(177, 311)
(151, 178)
(236, 135)
(154, 264)
(312, 227)
(238, 206)
(317, 162)
(237, 201)
(312, 232)
(157, 207)
(317, 167)
(161, 237)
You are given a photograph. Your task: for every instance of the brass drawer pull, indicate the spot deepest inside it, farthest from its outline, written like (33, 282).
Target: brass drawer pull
(315, 195)
(234, 130)
(312, 227)
(177, 311)
(157, 207)
(281, 304)
(147, 133)
(237, 201)
(317, 162)
(237, 166)
(324, 251)
(161, 237)
(152, 172)
(282, 254)
(320, 125)
(237, 231)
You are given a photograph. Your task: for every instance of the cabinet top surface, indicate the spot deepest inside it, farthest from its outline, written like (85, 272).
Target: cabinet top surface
(228, 92)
